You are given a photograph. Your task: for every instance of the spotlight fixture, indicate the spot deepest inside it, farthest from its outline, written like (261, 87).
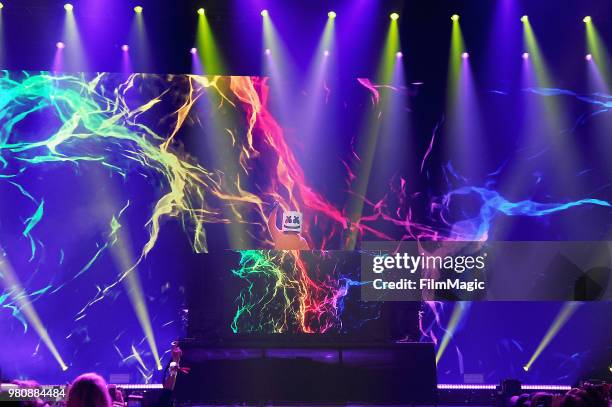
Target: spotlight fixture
(125, 48)
(1, 6)
(60, 45)
(331, 14)
(587, 19)
(267, 51)
(201, 11)
(394, 16)
(68, 7)
(588, 57)
(193, 51)
(138, 9)
(524, 19)
(326, 53)
(399, 54)
(465, 55)
(525, 55)
(264, 13)
(455, 17)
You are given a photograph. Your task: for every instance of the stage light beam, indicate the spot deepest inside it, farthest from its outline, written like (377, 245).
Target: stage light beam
(58, 59)
(596, 47)
(531, 44)
(388, 57)
(568, 309)
(456, 53)
(75, 58)
(196, 65)
(20, 296)
(211, 60)
(122, 253)
(458, 312)
(139, 40)
(464, 122)
(369, 140)
(546, 117)
(126, 60)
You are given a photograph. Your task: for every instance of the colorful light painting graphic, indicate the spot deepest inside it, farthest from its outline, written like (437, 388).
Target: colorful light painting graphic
(283, 296)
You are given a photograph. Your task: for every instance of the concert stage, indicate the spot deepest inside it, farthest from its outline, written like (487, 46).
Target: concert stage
(314, 202)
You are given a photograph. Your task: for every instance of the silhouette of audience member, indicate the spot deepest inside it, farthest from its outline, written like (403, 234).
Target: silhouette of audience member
(524, 400)
(586, 396)
(116, 395)
(89, 390)
(541, 399)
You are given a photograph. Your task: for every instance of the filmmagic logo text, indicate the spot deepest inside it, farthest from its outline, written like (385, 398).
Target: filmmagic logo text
(411, 264)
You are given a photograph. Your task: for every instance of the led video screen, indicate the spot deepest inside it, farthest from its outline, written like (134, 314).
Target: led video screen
(113, 187)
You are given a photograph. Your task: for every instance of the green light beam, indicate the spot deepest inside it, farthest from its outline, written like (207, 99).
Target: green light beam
(139, 37)
(221, 140)
(597, 48)
(278, 66)
(457, 47)
(278, 50)
(456, 317)
(315, 83)
(15, 290)
(368, 142)
(535, 55)
(122, 253)
(211, 59)
(387, 61)
(568, 309)
(566, 159)
(75, 54)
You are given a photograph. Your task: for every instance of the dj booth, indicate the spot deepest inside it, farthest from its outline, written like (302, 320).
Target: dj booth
(301, 372)
(246, 343)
